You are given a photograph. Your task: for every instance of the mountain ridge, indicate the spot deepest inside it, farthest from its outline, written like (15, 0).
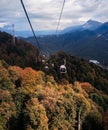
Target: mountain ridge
(82, 43)
(89, 25)
(28, 33)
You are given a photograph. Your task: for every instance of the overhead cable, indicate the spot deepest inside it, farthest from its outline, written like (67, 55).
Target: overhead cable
(36, 39)
(60, 16)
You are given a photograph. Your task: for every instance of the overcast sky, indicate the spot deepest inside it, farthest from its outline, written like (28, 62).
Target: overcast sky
(44, 14)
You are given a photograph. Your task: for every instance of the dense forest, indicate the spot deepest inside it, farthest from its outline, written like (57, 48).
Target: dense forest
(79, 70)
(24, 54)
(19, 53)
(32, 98)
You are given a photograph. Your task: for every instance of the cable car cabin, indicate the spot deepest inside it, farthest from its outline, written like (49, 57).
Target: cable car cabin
(63, 69)
(46, 68)
(52, 65)
(43, 61)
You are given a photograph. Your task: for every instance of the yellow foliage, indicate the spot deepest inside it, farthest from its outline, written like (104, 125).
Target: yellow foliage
(87, 87)
(78, 89)
(7, 107)
(47, 105)
(37, 115)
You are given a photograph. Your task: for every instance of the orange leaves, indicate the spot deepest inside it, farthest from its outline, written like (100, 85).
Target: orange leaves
(87, 87)
(17, 69)
(28, 76)
(50, 98)
(43, 103)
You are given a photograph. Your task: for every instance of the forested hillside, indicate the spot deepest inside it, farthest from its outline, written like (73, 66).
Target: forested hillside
(20, 53)
(79, 70)
(24, 54)
(53, 67)
(31, 100)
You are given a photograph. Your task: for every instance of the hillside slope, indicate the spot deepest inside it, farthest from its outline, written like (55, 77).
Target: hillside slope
(34, 100)
(25, 54)
(79, 70)
(20, 53)
(30, 102)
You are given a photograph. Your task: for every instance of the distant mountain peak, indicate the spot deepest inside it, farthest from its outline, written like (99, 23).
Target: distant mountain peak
(91, 24)
(92, 21)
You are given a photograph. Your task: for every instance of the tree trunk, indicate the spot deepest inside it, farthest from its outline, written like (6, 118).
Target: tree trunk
(79, 120)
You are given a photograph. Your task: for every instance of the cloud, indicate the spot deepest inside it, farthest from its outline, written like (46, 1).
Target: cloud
(3, 24)
(44, 14)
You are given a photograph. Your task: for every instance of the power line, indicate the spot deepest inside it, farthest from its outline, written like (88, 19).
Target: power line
(36, 39)
(60, 16)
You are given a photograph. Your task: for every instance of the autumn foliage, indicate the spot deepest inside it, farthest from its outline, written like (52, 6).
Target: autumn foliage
(31, 100)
